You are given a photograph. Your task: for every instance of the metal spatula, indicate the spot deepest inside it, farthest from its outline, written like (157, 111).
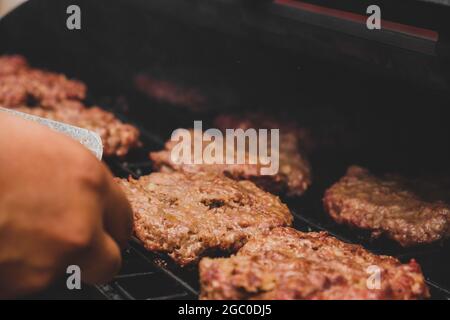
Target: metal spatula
(87, 138)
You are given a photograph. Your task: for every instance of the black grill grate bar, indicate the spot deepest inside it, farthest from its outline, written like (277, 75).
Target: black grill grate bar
(130, 275)
(109, 292)
(171, 274)
(436, 286)
(170, 297)
(124, 292)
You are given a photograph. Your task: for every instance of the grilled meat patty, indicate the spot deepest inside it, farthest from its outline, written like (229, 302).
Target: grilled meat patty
(289, 264)
(411, 212)
(11, 64)
(52, 95)
(188, 215)
(118, 138)
(22, 85)
(292, 178)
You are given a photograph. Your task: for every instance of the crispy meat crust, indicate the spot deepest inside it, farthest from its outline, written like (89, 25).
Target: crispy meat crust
(11, 64)
(292, 179)
(118, 138)
(410, 212)
(52, 95)
(39, 87)
(289, 264)
(189, 215)
(294, 176)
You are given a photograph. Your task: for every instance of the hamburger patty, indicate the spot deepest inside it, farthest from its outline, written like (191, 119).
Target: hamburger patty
(118, 138)
(289, 264)
(52, 95)
(292, 178)
(11, 64)
(22, 85)
(188, 215)
(411, 212)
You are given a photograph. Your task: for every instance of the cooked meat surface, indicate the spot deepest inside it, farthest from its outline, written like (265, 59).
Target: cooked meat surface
(294, 174)
(11, 64)
(289, 264)
(411, 212)
(52, 95)
(190, 215)
(21, 85)
(118, 138)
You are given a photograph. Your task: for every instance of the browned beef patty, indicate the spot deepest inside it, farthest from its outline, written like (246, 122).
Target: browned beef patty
(295, 175)
(11, 64)
(188, 215)
(117, 137)
(411, 212)
(292, 178)
(20, 85)
(52, 95)
(289, 264)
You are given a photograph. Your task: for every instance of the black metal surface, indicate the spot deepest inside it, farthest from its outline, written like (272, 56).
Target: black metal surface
(118, 31)
(385, 35)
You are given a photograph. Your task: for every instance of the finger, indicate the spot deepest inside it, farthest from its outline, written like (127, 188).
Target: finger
(18, 279)
(118, 216)
(101, 262)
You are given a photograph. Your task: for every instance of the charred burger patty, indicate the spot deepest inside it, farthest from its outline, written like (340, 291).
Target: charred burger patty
(289, 264)
(187, 215)
(411, 212)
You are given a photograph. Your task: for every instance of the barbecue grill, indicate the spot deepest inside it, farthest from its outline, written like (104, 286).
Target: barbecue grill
(314, 60)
